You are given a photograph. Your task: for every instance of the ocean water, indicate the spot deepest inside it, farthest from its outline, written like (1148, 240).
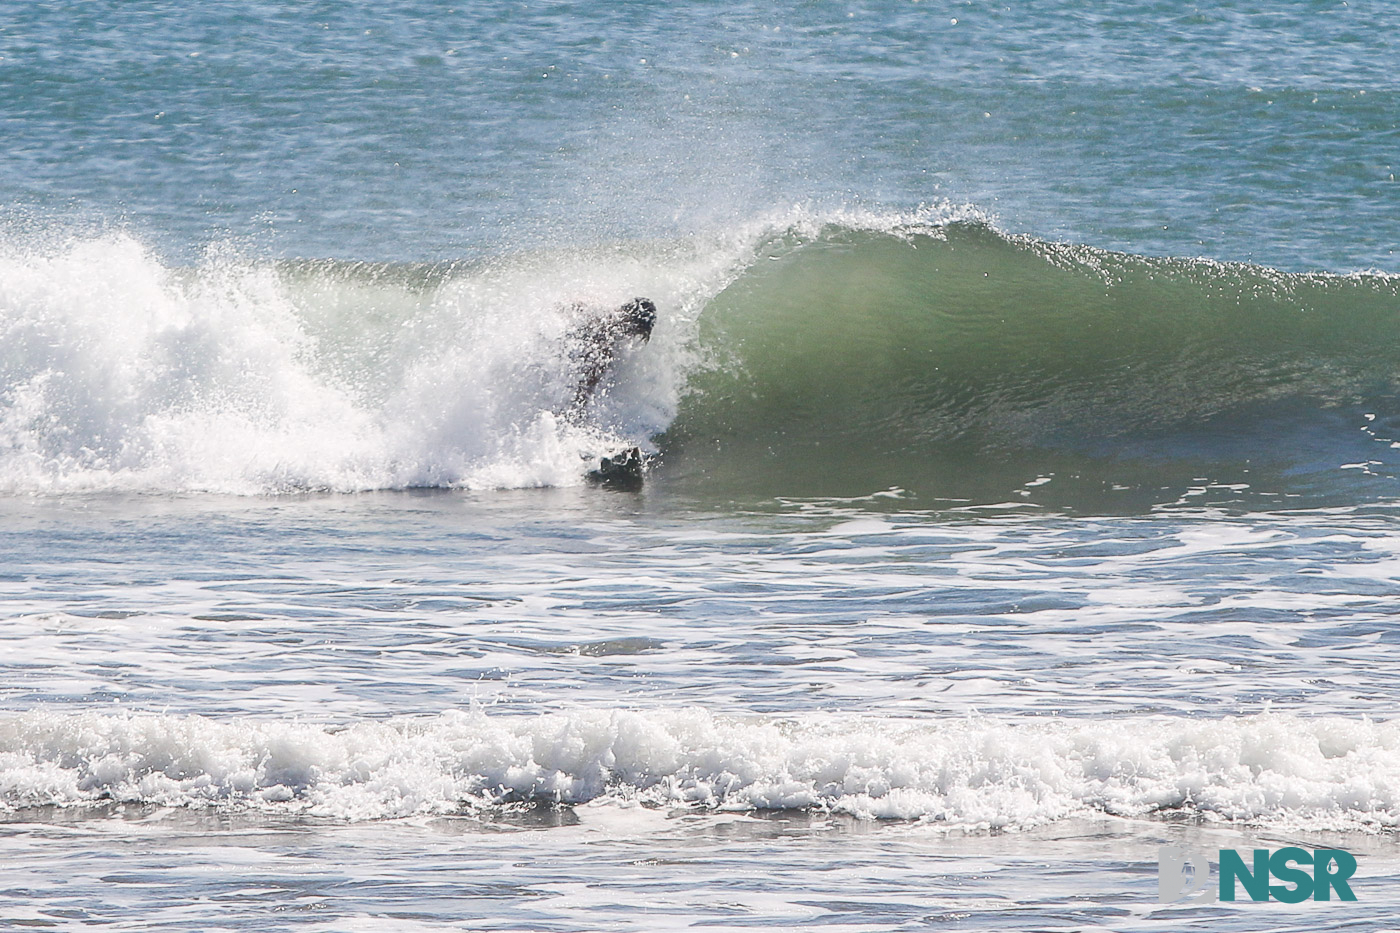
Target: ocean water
(1023, 444)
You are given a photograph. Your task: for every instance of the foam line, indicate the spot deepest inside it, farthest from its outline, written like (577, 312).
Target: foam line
(1271, 770)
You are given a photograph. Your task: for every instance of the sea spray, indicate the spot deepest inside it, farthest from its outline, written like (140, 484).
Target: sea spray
(122, 373)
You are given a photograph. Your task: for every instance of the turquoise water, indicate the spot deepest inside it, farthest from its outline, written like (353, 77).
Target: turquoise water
(1259, 132)
(1023, 442)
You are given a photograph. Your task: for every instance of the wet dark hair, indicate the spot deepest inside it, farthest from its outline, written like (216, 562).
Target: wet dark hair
(641, 316)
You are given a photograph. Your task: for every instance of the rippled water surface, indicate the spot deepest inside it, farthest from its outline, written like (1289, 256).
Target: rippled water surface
(559, 709)
(419, 602)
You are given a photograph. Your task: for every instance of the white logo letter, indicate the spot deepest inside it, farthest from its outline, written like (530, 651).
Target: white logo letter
(1175, 883)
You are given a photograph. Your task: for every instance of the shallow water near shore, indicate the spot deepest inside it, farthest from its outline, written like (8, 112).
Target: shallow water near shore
(636, 870)
(566, 709)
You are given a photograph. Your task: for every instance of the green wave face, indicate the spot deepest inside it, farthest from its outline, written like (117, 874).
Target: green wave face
(961, 364)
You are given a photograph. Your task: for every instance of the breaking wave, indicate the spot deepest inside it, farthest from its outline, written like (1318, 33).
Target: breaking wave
(1273, 770)
(804, 355)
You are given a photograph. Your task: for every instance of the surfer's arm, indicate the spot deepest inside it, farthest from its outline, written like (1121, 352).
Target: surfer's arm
(595, 344)
(594, 351)
(588, 383)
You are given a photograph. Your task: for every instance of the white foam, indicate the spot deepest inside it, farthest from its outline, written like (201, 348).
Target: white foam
(1276, 770)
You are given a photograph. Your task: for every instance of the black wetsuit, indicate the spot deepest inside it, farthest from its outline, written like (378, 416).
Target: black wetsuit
(595, 341)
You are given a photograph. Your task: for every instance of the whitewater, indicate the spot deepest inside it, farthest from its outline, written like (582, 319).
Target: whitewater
(1022, 458)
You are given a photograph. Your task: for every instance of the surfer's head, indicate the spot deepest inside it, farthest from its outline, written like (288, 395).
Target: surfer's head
(638, 317)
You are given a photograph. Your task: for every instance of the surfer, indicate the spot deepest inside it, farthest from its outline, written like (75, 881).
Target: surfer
(594, 342)
(593, 345)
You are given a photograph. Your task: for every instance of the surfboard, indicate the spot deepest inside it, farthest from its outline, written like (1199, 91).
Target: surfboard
(623, 470)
